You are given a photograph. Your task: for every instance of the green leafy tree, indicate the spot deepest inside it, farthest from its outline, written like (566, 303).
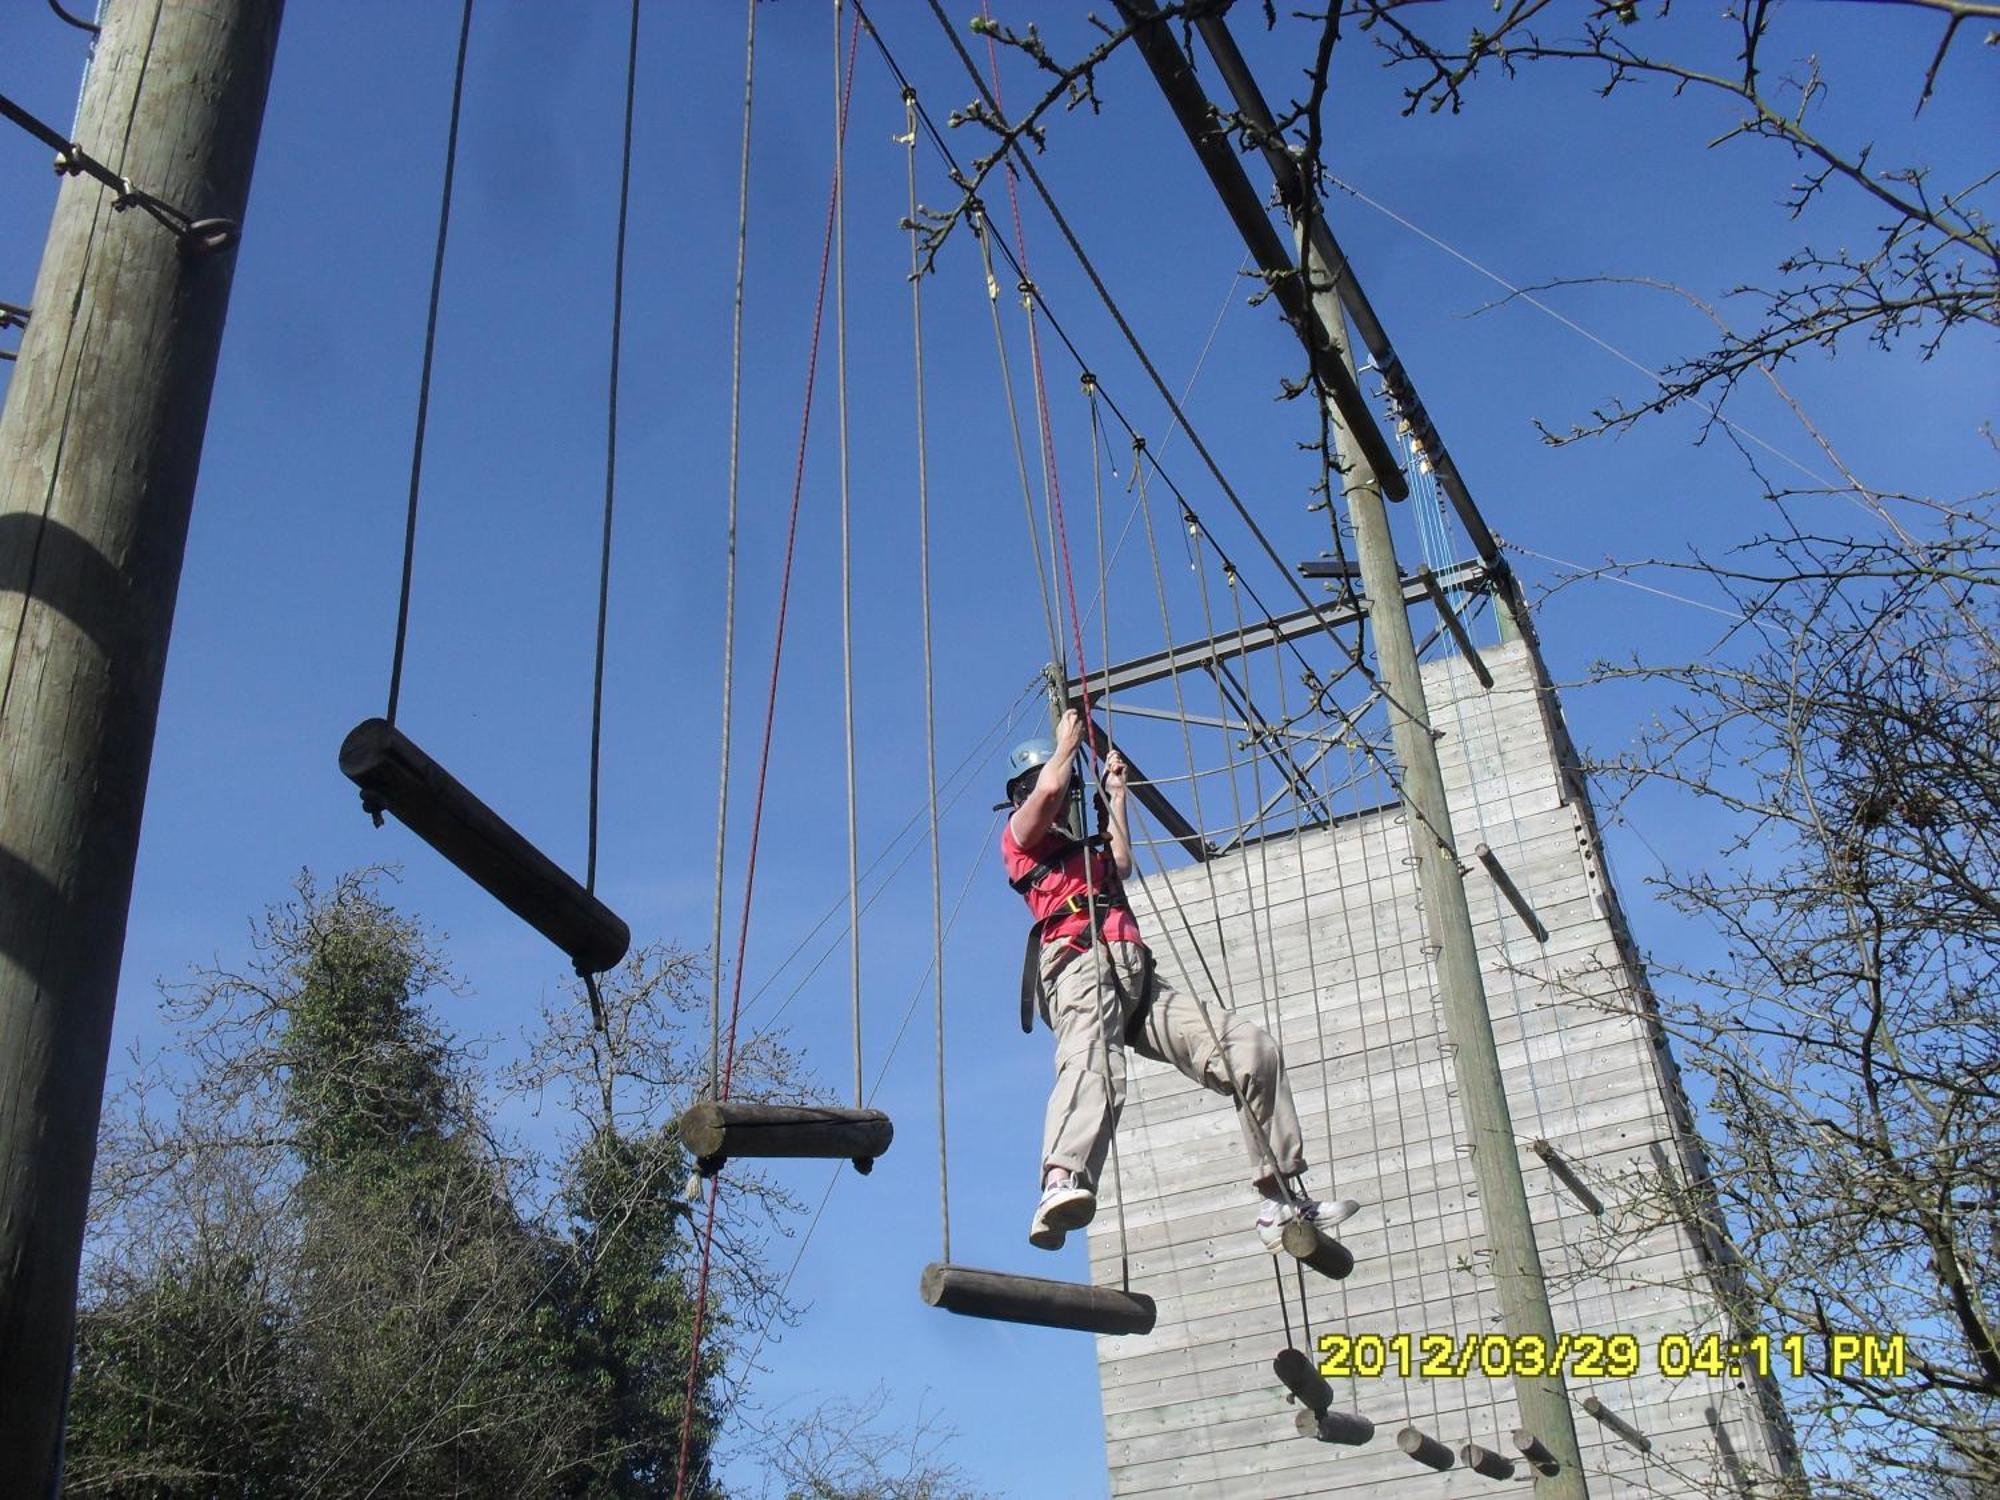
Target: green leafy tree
(316, 1270)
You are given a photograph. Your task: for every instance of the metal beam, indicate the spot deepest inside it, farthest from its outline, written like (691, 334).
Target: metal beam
(1278, 630)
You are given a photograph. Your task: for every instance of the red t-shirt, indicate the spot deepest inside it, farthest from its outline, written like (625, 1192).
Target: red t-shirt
(1080, 872)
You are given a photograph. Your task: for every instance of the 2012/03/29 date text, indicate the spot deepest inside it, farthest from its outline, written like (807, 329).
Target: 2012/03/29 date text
(1446, 1356)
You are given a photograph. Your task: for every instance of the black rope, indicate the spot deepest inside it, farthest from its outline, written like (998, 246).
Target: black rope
(430, 351)
(1284, 1306)
(611, 445)
(77, 22)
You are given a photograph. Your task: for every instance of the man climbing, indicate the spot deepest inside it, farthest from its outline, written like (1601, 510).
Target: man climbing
(1098, 992)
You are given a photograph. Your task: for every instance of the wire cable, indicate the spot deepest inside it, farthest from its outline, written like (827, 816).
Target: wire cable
(930, 678)
(430, 354)
(611, 449)
(729, 548)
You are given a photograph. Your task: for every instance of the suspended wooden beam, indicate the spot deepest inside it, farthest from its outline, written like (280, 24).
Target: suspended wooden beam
(1535, 1451)
(1307, 1242)
(1566, 1174)
(717, 1130)
(1424, 1448)
(1618, 1424)
(1486, 1461)
(1303, 1379)
(1449, 617)
(397, 777)
(1511, 891)
(1033, 1299)
(1347, 1427)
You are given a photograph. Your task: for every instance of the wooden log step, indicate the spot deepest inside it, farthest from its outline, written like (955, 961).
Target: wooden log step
(1535, 1451)
(715, 1131)
(1032, 1299)
(1346, 1427)
(1511, 891)
(1618, 1424)
(1424, 1448)
(1566, 1175)
(1486, 1461)
(397, 777)
(1303, 1379)
(1309, 1243)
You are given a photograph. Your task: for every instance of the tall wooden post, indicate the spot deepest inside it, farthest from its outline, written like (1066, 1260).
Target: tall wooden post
(1496, 1162)
(99, 445)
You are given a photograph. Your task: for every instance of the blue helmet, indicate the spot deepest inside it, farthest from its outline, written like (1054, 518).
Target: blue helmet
(1027, 757)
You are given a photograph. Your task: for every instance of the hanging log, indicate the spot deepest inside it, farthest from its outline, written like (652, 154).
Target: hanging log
(1303, 1379)
(715, 1131)
(1308, 1242)
(1032, 1299)
(1347, 1427)
(1566, 1174)
(395, 776)
(1456, 626)
(1618, 1424)
(1512, 892)
(1424, 1448)
(1486, 1461)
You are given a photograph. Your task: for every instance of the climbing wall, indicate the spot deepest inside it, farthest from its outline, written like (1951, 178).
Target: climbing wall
(1320, 937)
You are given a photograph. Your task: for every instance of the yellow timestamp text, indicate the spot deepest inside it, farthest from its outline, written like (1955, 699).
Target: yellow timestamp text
(1448, 1356)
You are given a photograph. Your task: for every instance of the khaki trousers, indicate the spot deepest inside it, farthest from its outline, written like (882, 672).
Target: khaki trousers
(1089, 1001)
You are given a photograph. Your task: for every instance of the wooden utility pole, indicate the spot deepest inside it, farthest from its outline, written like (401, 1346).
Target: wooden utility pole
(1496, 1162)
(99, 445)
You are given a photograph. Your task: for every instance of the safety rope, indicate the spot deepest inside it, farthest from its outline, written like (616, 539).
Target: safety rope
(430, 353)
(1356, 661)
(1051, 478)
(1104, 654)
(846, 547)
(729, 547)
(763, 778)
(981, 232)
(909, 141)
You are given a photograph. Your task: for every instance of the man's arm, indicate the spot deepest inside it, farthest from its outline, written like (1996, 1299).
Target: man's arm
(1037, 813)
(1114, 814)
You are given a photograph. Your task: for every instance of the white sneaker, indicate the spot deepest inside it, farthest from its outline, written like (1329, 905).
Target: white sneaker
(1273, 1217)
(1065, 1206)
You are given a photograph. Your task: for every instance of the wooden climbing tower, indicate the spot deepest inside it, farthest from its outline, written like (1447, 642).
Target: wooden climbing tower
(1323, 925)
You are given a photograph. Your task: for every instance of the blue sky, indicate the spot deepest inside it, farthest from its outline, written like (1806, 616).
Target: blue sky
(287, 600)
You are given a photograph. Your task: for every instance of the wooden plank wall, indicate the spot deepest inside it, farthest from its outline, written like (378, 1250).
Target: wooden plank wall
(1321, 939)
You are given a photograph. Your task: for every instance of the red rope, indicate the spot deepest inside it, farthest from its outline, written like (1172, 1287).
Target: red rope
(1049, 470)
(763, 774)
